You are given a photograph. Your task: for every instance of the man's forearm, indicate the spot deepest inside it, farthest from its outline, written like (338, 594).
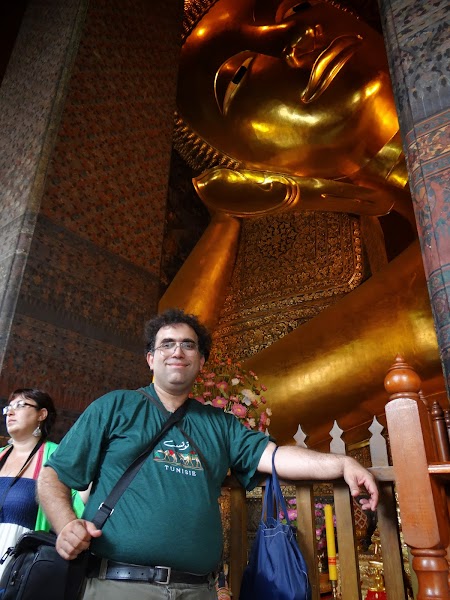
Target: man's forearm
(293, 462)
(55, 498)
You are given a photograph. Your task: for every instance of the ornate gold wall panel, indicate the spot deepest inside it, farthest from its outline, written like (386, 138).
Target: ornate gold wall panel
(288, 269)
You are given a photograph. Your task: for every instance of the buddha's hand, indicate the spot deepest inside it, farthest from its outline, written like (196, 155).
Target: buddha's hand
(245, 193)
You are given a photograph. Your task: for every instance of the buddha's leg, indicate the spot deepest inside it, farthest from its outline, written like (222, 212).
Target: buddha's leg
(333, 366)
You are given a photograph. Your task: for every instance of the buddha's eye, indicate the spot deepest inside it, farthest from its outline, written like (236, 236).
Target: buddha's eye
(297, 8)
(229, 77)
(240, 73)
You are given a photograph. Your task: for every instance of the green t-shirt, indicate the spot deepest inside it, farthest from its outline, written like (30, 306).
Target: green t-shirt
(169, 515)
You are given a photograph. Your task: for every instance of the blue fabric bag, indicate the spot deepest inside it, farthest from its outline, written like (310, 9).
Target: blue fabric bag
(276, 569)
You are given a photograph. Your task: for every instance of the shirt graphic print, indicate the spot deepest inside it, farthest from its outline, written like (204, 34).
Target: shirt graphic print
(178, 457)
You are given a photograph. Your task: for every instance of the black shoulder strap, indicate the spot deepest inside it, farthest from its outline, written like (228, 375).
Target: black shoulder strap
(189, 439)
(106, 508)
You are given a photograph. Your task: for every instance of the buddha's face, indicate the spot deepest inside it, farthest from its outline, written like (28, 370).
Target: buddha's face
(300, 88)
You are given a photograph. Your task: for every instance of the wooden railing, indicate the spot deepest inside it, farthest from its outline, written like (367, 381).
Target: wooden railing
(420, 450)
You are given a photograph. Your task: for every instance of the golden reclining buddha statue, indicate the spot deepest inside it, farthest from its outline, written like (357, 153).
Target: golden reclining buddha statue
(285, 108)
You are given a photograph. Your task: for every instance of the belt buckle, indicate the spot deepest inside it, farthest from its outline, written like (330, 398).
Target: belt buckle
(169, 571)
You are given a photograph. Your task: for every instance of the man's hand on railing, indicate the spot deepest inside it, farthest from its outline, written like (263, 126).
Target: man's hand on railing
(294, 463)
(358, 478)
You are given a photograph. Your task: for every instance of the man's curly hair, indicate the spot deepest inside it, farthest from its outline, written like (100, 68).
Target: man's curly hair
(173, 316)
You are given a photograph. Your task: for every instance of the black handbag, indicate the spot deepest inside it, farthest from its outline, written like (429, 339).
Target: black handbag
(37, 571)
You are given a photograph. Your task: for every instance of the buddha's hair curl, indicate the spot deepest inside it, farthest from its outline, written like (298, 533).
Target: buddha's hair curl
(194, 11)
(198, 154)
(196, 151)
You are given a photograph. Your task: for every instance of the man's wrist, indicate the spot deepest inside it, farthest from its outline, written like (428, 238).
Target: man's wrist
(62, 523)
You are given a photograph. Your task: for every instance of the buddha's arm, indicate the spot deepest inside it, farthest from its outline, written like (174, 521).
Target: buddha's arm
(200, 285)
(246, 193)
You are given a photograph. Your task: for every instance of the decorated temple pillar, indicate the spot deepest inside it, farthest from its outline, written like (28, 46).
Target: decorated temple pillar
(86, 117)
(31, 101)
(417, 46)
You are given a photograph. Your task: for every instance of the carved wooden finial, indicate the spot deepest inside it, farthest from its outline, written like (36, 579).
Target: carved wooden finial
(401, 379)
(436, 411)
(447, 417)
(424, 400)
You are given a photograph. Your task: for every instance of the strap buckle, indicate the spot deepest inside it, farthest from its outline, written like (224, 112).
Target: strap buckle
(169, 571)
(102, 515)
(106, 510)
(7, 553)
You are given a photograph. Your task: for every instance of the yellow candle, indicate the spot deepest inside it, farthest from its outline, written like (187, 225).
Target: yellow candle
(331, 544)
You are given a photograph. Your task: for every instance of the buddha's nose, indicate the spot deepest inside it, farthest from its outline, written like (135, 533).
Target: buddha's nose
(302, 45)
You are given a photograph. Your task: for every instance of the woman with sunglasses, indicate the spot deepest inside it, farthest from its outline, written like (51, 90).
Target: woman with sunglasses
(30, 415)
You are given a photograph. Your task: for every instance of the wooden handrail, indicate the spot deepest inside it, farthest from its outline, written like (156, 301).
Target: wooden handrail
(439, 468)
(383, 473)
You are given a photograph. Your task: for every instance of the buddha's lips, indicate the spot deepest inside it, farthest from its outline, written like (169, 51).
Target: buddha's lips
(328, 64)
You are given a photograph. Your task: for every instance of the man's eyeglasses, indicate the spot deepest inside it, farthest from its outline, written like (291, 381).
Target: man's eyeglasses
(17, 406)
(187, 346)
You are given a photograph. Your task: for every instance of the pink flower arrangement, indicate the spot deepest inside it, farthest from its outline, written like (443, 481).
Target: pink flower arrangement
(226, 385)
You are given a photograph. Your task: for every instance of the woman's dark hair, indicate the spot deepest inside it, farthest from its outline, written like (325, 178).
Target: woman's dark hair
(43, 400)
(174, 316)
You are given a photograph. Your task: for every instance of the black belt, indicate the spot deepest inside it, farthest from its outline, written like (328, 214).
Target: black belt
(118, 571)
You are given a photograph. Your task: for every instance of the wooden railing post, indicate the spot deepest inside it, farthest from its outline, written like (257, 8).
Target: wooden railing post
(306, 529)
(440, 432)
(422, 506)
(306, 524)
(238, 538)
(387, 518)
(345, 526)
